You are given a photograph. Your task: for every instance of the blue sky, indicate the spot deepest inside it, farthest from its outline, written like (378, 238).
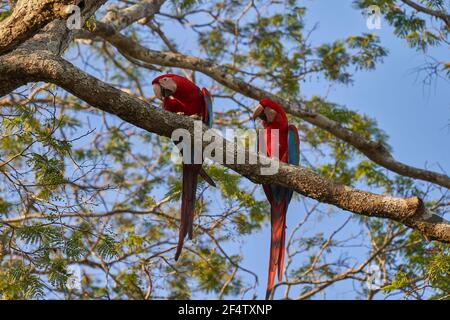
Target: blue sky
(415, 116)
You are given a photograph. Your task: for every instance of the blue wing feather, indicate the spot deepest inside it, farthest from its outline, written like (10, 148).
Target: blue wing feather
(293, 150)
(293, 145)
(209, 107)
(276, 193)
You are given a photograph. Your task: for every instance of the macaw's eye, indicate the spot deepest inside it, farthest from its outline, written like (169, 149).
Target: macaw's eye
(270, 115)
(264, 113)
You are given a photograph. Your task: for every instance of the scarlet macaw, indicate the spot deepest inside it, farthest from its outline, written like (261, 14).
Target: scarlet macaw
(274, 117)
(182, 96)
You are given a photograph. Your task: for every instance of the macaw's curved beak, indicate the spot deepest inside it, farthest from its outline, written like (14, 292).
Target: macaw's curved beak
(162, 92)
(157, 91)
(259, 110)
(164, 88)
(265, 114)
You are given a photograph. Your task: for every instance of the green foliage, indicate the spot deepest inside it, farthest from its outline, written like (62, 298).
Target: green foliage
(211, 270)
(117, 145)
(107, 247)
(335, 57)
(18, 282)
(40, 234)
(57, 273)
(5, 14)
(426, 264)
(79, 186)
(370, 52)
(185, 4)
(418, 29)
(4, 206)
(342, 166)
(49, 173)
(213, 42)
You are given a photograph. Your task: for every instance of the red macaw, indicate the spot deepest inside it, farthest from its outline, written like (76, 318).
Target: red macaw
(182, 96)
(274, 117)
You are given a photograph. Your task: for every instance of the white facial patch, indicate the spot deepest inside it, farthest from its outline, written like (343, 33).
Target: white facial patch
(157, 91)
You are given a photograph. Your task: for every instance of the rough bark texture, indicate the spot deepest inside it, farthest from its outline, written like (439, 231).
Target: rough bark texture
(371, 149)
(28, 17)
(437, 14)
(54, 38)
(120, 19)
(42, 66)
(38, 59)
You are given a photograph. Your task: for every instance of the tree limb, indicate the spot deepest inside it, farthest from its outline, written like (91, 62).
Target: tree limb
(121, 19)
(43, 66)
(28, 17)
(54, 37)
(373, 150)
(437, 14)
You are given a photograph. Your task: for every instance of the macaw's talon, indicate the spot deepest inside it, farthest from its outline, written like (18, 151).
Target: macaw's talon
(180, 113)
(195, 117)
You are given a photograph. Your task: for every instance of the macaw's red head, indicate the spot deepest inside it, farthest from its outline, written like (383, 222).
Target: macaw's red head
(174, 85)
(271, 114)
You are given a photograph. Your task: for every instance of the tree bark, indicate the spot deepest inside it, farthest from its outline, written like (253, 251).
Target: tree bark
(28, 17)
(38, 59)
(43, 66)
(373, 150)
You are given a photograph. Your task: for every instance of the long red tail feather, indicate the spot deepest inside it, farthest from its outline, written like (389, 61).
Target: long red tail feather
(276, 260)
(189, 188)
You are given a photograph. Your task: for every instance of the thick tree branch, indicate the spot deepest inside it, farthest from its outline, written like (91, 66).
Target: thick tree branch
(373, 150)
(437, 14)
(43, 66)
(121, 19)
(28, 17)
(55, 37)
